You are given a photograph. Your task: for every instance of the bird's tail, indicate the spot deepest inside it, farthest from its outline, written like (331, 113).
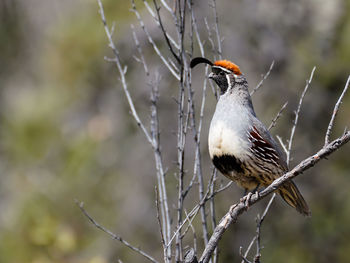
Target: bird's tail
(290, 193)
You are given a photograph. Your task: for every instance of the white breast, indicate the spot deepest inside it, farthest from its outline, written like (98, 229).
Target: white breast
(224, 140)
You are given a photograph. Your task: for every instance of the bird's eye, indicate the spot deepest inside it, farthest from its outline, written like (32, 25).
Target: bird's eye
(216, 71)
(221, 73)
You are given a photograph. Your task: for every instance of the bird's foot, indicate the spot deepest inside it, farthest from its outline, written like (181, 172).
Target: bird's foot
(257, 194)
(247, 199)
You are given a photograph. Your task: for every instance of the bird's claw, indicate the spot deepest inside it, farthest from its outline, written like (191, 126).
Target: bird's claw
(247, 199)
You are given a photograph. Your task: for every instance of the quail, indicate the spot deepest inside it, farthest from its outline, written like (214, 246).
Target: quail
(240, 146)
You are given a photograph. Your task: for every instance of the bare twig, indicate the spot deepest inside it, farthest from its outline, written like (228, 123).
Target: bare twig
(335, 111)
(197, 158)
(151, 41)
(210, 37)
(211, 41)
(195, 29)
(154, 140)
(122, 73)
(218, 38)
(259, 221)
(160, 226)
(195, 209)
(279, 114)
(190, 226)
(249, 247)
(151, 12)
(297, 114)
(198, 170)
(114, 236)
(190, 216)
(165, 33)
(263, 79)
(243, 257)
(181, 140)
(139, 49)
(164, 3)
(212, 213)
(284, 147)
(159, 166)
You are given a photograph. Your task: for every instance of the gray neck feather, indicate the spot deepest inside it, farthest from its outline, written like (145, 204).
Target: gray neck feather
(238, 93)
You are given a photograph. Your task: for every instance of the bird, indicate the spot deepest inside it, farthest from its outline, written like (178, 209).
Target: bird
(240, 146)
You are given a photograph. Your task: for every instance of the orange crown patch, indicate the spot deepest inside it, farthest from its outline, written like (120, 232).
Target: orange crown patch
(228, 65)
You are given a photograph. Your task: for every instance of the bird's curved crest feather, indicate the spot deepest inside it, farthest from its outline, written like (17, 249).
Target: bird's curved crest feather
(228, 65)
(199, 60)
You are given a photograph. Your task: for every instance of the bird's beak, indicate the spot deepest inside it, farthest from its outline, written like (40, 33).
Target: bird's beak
(211, 75)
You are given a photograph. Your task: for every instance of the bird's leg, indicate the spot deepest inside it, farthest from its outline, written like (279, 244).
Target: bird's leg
(250, 194)
(247, 200)
(256, 188)
(245, 191)
(244, 194)
(255, 191)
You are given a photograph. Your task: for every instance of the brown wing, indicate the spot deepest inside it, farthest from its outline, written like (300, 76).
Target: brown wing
(266, 149)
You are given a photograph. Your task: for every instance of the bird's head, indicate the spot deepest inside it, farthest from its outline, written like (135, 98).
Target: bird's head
(225, 73)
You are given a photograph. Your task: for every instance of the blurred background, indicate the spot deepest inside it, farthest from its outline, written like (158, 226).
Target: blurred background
(66, 131)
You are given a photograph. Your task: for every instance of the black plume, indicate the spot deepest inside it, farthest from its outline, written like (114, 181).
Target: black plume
(198, 60)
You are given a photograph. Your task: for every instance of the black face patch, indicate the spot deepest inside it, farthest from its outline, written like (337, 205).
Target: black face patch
(227, 163)
(219, 76)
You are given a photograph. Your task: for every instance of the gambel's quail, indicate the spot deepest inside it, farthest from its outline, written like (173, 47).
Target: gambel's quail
(240, 146)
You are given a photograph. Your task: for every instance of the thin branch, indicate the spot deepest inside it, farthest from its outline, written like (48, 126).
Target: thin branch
(195, 209)
(114, 236)
(122, 73)
(210, 38)
(198, 171)
(237, 209)
(165, 33)
(195, 29)
(159, 166)
(194, 236)
(139, 50)
(217, 29)
(182, 121)
(151, 41)
(279, 114)
(164, 3)
(243, 257)
(284, 147)
(259, 221)
(211, 41)
(189, 218)
(263, 79)
(151, 12)
(160, 226)
(335, 111)
(212, 213)
(190, 226)
(249, 247)
(297, 114)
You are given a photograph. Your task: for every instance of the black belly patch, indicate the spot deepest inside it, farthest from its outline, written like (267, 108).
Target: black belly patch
(227, 163)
